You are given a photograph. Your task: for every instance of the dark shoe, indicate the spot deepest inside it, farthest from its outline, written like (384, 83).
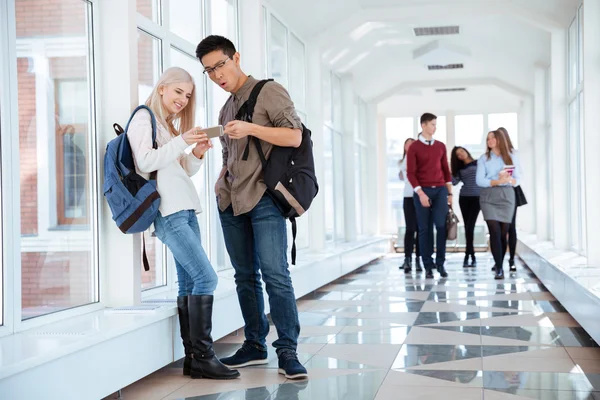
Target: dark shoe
(407, 265)
(184, 325)
(290, 366)
(473, 261)
(499, 274)
(513, 268)
(442, 271)
(466, 262)
(247, 355)
(494, 268)
(418, 267)
(429, 273)
(204, 362)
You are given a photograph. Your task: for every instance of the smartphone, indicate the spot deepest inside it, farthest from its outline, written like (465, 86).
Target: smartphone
(509, 169)
(214, 131)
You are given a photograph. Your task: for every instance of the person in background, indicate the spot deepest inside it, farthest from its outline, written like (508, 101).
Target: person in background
(429, 173)
(497, 197)
(464, 169)
(411, 236)
(172, 102)
(512, 230)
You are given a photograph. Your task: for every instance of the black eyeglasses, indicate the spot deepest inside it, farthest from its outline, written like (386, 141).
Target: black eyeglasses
(211, 71)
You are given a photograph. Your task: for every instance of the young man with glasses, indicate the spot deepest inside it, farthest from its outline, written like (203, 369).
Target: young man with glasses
(428, 172)
(253, 228)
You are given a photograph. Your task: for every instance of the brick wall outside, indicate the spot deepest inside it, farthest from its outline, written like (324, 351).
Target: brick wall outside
(50, 279)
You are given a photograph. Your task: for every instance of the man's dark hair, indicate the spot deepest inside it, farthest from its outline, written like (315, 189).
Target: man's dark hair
(215, 43)
(425, 118)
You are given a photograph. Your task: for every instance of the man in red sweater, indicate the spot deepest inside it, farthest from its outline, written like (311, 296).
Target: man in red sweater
(428, 172)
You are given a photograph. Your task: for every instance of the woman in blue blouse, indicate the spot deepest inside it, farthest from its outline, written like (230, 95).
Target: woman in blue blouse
(464, 169)
(497, 198)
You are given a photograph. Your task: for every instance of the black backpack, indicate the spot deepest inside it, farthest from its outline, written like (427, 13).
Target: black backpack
(289, 173)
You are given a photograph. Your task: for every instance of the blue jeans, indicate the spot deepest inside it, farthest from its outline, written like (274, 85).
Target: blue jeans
(257, 243)
(181, 233)
(426, 219)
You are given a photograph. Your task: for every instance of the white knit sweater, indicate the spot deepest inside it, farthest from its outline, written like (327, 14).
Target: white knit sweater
(174, 167)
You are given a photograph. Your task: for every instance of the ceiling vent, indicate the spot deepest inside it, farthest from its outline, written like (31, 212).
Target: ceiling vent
(449, 66)
(437, 31)
(451, 90)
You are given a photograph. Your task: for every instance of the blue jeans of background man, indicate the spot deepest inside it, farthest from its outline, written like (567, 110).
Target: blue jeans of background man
(427, 218)
(181, 233)
(257, 243)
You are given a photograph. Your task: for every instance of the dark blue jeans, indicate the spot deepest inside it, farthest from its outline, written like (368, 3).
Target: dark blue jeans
(429, 217)
(257, 243)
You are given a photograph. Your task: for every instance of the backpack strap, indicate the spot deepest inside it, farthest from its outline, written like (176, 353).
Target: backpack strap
(154, 144)
(294, 231)
(248, 110)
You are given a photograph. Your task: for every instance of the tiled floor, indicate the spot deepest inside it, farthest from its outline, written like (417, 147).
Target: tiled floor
(378, 334)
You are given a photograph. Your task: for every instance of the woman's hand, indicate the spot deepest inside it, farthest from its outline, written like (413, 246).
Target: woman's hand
(194, 135)
(202, 145)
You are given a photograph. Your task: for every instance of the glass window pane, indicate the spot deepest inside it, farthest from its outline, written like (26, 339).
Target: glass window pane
(358, 188)
(149, 9)
(278, 52)
(1, 240)
(441, 133)
(297, 72)
(149, 70)
(336, 93)
(582, 176)
(573, 68)
(223, 19)
(397, 130)
(58, 268)
(338, 184)
(149, 64)
(328, 188)
(509, 121)
(580, 43)
(470, 133)
(185, 19)
(574, 176)
(326, 95)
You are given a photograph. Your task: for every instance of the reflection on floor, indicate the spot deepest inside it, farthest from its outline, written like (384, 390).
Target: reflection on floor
(378, 334)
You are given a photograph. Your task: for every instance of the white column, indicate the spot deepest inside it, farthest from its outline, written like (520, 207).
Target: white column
(559, 136)
(120, 255)
(591, 100)
(540, 205)
(450, 130)
(349, 114)
(526, 215)
(315, 124)
(252, 41)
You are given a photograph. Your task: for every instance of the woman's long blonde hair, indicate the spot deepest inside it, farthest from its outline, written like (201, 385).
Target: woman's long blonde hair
(180, 122)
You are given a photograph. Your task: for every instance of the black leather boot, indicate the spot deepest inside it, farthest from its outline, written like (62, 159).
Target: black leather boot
(407, 265)
(442, 270)
(499, 273)
(418, 267)
(466, 261)
(473, 261)
(184, 327)
(204, 362)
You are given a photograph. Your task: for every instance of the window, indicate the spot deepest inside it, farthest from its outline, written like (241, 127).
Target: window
(56, 143)
(328, 187)
(397, 130)
(360, 161)
(577, 204)
(223, 19)
(278, 52)
(297, 72)
(150, 66)
(508, 121)
(338, 186)
(185, 19)
(470, 133)
(441, 133)
(149, 9)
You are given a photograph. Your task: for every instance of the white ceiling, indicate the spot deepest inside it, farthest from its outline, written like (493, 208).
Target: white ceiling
(500, 43)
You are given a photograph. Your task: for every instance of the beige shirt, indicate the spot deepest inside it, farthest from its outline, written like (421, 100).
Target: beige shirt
(243, 185)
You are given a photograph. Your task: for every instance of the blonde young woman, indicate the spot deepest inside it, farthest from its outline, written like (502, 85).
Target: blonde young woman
(497, 198)
(172, 102)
